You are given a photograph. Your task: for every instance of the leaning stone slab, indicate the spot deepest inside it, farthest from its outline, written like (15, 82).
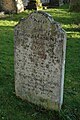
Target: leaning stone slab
(40, 45)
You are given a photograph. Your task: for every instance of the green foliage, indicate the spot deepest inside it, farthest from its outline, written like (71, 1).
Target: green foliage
(13, 108)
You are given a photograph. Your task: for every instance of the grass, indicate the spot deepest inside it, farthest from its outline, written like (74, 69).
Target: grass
(13, 108)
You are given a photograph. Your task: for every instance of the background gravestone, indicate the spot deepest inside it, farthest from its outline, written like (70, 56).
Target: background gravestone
(40, 45)
(12, 6)
(8, 6)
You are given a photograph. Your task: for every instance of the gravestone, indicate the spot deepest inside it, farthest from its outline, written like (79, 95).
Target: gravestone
(8, 6)
(40, 45)
(12, 6)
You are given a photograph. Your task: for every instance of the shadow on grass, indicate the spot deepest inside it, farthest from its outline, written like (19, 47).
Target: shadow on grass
(76, 29)
(60, 14)
(16, 17)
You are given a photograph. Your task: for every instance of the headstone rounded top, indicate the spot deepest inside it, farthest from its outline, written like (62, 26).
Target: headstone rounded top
(39, 22)
(40, 13)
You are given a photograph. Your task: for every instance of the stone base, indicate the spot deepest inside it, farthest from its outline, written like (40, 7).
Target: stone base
(40, 101)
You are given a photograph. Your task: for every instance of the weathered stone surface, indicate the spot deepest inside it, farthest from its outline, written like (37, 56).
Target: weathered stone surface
(8, 6)
(40, 45)
(12, 6)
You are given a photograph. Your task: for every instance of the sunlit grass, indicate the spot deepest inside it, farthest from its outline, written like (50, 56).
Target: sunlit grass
(7, 23)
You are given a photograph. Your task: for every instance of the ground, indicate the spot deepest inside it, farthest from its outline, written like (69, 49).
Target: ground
(13, 108)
